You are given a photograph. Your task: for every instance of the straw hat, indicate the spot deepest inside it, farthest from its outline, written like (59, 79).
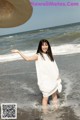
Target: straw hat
(14, 12)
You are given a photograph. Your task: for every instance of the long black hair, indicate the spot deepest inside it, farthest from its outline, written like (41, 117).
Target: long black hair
(49, 52)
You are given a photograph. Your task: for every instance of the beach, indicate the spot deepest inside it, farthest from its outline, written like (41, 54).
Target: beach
(18, 78)
(18, 84)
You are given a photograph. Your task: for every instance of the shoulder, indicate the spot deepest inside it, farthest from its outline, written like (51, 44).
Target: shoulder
(35, 56)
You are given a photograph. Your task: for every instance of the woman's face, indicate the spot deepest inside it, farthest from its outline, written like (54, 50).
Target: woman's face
(44, 47)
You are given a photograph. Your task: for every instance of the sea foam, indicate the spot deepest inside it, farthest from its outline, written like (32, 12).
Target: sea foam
(57, 50)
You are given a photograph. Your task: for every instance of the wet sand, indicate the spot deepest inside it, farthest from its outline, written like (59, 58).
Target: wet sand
(66, 113)
(18, 84)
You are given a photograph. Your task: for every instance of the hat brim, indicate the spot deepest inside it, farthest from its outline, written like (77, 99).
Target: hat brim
(14, 12)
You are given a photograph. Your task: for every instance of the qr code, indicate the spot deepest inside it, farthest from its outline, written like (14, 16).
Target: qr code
(8, 111)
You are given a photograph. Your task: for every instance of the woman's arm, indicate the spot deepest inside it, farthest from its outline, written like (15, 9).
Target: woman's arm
(25, 57)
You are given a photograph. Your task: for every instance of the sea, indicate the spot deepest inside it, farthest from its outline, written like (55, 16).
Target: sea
(64, 39)
(65, 45)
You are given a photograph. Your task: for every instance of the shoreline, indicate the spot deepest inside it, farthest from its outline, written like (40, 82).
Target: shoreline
(18, 83)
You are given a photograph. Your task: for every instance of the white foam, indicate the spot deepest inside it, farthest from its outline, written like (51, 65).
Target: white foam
(13, 57)
(57, 50)
(25, 87)
(9, 37)
(66, 49)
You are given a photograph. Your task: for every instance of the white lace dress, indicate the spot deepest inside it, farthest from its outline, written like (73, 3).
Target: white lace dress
(47, 74)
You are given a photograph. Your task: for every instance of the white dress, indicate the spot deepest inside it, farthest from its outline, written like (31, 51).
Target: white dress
(47, 74)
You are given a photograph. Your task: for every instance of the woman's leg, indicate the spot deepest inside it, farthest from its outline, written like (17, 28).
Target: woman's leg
(55, 100)
(45, 104)
(45, 101)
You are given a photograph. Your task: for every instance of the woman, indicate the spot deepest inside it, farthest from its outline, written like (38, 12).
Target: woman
(47, 71)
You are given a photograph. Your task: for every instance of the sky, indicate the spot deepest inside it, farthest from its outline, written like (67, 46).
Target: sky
(48, 16)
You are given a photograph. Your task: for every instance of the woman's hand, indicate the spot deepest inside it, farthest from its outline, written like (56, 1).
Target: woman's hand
(15, 51)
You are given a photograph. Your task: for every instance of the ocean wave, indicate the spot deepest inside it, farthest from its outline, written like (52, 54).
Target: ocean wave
(57, 50)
